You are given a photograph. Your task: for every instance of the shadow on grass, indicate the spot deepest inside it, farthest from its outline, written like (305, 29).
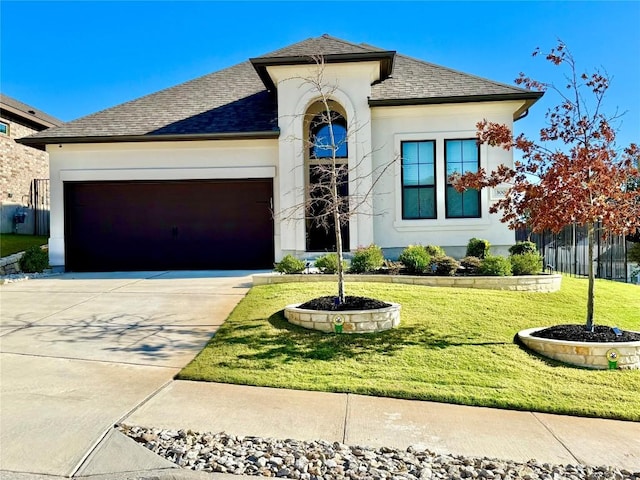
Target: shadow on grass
(290, 343)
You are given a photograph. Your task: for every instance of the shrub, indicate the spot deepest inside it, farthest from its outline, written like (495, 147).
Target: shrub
(526, 263)
(495, 266)
(329, 263)
(367, 259)
(471, 265)
(290, 264)
(415, 258)
(478, 248)
(444, 265)
(523, 247)
(634, 253)
(435, 251)
(34, 260)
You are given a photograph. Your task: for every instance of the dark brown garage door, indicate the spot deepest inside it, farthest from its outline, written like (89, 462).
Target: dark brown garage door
(221, 224)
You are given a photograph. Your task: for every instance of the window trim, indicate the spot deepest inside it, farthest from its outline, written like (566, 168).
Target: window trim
(7, 128)
(434, 186)
(447, 184)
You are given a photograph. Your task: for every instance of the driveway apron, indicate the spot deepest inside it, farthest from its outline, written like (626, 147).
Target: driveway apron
(78, 352)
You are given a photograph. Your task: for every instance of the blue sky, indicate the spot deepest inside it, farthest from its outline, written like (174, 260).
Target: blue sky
(71, 59)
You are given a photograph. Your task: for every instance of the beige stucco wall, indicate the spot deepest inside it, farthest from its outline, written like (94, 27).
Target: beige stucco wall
(196, 160)
(390, 126)
(350, 86)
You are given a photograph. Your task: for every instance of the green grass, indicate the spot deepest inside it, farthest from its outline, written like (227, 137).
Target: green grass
(453, 345)
(11, 243)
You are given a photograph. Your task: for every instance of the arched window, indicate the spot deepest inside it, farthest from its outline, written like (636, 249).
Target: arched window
(327, 162)
(320, 136)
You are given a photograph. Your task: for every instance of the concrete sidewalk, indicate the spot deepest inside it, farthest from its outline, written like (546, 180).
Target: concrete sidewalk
(373, 421)
(82, 352)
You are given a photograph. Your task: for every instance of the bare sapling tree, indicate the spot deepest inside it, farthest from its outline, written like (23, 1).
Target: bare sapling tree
(575, 173)
(328, 202)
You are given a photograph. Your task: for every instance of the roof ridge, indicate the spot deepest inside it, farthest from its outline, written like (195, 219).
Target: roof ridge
(347, 42)
(460, 72)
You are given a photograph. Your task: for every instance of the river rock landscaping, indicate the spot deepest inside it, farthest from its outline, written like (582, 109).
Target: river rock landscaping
(316, 460)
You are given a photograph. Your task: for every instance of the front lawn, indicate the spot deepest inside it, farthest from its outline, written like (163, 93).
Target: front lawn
(453, 345)
(11, 243)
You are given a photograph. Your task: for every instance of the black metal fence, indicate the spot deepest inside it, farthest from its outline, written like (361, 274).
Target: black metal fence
(568, 252)
(39, 203)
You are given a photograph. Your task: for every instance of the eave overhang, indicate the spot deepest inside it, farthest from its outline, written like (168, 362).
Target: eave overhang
(42, 142)
(529, 99)
(385, 58)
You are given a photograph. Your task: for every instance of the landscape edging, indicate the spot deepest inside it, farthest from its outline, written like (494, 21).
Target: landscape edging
(523, 283)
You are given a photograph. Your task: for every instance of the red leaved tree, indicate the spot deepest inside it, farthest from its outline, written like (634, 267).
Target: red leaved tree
(575, 173)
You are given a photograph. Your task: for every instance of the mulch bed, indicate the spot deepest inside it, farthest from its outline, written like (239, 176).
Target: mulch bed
(577, 333)
(350, 303)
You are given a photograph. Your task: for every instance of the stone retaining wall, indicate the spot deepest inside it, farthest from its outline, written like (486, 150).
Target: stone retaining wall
(524, 283)
(10, 264)
(351, 321)
(583, 354)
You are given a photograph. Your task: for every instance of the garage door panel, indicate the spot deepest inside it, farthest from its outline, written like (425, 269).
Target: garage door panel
(168, 225)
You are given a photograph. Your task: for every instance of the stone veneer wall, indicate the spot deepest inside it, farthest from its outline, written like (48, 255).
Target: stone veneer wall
(10, 264)
(583, 354)
(528, 283)
(19, 165)
(355, 321)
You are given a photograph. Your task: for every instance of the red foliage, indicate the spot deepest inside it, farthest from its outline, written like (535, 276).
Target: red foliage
(581, 176)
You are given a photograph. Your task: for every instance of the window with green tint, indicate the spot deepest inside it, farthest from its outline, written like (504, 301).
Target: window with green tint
(462, 156)
(418, 180)
(4, 128)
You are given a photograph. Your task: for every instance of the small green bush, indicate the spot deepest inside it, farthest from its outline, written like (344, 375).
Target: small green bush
(367, 259)
(523, 247)
(478, 248)
(435, 251)
(444, 265)
(634, 253)
(290, 264)
(415, 258)
(34, 260)
(329, 263)
(471, 265)
(526, 263)
(495, 266)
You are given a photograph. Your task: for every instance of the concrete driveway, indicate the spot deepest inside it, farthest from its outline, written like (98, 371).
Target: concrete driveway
(79, 352)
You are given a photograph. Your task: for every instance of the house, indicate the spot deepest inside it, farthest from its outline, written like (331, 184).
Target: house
(197, 176)
(20, 165)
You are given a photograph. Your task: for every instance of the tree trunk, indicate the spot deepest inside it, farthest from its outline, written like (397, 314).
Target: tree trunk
(590, 237)
(338, 231)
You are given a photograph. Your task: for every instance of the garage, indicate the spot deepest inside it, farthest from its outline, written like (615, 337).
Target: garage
(168, 225)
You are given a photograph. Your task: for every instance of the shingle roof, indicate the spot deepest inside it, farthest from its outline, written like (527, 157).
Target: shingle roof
(235, 101)
(27, 112)
(416, 79)
(323, 45)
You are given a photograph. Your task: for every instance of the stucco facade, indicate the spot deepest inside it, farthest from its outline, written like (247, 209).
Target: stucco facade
(382, 106)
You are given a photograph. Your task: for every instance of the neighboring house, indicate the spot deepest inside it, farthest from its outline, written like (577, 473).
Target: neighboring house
(188, 177)
(20, 164)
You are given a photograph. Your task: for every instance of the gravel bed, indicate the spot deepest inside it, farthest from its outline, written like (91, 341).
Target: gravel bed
(320, 460)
